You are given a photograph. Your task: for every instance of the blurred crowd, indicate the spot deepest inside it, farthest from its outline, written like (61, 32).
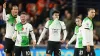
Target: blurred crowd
(39, 12)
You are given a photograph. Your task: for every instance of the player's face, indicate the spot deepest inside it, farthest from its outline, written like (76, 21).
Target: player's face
(91, 13)
(14, 11)
(78, 22)
(23, 17)
(55, 16)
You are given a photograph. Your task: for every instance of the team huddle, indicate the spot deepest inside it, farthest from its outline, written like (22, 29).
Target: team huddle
(18, 30)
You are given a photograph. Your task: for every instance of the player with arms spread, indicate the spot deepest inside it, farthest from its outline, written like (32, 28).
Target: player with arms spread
(10, 19)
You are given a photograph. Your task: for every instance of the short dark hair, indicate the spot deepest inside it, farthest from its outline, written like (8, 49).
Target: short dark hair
(55, 12)
(23, 13)
(90, 9)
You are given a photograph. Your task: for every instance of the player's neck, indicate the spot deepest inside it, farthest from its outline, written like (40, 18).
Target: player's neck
(89, 17)
(13, 15)
(79, 25)
(55, 19)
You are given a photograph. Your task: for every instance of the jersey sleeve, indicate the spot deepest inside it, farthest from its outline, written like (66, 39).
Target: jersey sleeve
(47, 25)
(86, 25)
(63, 25)
(5, 16)
(31, 28)
(75, 30)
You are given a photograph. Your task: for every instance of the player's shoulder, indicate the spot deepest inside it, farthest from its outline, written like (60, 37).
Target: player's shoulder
(18, 16)
(86, 19)
(76, 26)
(18, 19)
(19, 23)
(28, 24)
(61, 22)
(49, 22)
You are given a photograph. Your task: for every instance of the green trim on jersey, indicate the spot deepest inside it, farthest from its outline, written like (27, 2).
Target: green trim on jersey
(25, 41)
(79, 37)
(12, 19)
(88, 19)
(23, 34)
(19, 26)
(76, 29)
(50, 22)
(80, 42)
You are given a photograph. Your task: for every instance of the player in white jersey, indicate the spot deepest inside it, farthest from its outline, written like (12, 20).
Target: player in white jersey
(21, 36)
(54, 42)
(87, 33)
(78, 51)
(10, 19)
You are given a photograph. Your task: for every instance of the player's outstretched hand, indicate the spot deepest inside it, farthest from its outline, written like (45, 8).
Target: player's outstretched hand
(4, 5)
(67, 45)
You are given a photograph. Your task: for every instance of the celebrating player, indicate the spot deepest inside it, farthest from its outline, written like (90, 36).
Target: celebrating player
(11, 19)
(21, 36)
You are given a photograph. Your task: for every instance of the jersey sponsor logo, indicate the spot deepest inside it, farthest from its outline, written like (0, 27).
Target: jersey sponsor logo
(55, 30)
(21, 32)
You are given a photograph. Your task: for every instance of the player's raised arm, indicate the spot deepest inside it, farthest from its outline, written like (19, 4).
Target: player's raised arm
(4, 11)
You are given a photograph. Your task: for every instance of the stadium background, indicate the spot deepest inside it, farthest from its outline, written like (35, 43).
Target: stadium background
(40, 11)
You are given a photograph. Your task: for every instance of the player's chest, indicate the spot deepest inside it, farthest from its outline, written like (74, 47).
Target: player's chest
(55, 25)
(24, 31)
